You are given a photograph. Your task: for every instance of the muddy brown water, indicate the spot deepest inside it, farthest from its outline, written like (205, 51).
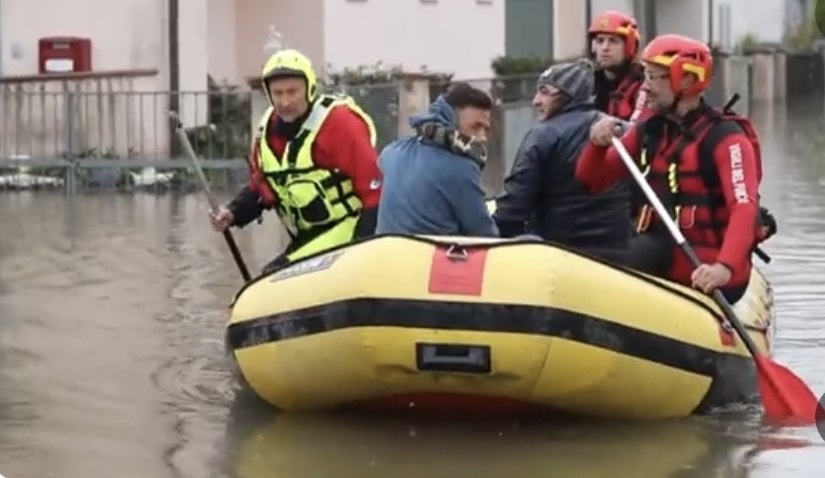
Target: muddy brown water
(111, 357)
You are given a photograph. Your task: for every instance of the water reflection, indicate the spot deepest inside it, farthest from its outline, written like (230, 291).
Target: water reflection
(349, 446)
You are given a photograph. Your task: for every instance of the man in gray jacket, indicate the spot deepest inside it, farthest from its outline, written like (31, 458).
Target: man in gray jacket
(541, 195)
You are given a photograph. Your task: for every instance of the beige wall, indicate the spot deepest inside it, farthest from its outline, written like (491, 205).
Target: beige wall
(227, 38)
(222, 41)
(569, 23)
(224, 38)
(625, 6)
(445, 36)
(300, 23)
(126, 34)
(685, 17)
(194, 59)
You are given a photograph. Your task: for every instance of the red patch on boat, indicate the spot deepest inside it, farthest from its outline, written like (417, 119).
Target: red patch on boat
(457, 271)
(726, 336)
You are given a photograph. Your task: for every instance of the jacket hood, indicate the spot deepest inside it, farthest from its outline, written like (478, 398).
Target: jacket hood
(579, 104)
(439, 126)
(575, 79)
(439, 112)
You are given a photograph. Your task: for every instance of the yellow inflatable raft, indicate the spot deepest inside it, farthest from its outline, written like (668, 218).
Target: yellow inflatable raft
(494, 325)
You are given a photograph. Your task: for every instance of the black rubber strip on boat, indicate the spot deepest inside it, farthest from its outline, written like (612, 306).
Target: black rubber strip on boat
(520, 319)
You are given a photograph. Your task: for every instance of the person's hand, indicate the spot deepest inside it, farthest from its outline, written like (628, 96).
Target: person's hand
(221, 219)
(708, 277)
(604, 130)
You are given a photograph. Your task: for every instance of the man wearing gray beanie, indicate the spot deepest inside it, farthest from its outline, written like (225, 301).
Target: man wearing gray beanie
(541, 195)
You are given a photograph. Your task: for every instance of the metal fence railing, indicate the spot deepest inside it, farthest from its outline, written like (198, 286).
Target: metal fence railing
(93, 135)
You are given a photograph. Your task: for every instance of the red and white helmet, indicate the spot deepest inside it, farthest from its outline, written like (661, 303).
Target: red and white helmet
(617, 23)
(681, 55)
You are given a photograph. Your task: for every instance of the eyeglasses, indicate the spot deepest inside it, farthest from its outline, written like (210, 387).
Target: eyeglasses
(651, 77)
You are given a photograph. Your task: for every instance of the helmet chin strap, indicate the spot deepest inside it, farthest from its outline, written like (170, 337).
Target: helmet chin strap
(671, 110)
(674, 103)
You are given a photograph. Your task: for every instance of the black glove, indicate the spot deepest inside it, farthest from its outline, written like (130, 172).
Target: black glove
(767, 223)
(245, 207)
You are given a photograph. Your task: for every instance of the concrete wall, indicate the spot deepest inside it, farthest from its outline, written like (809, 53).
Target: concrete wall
(412, 34)
(569, 23)
(685, 17)
(762, 18)
(299, 22)
(142, 45)
(597, 6)
(228, 38)
(126, 35)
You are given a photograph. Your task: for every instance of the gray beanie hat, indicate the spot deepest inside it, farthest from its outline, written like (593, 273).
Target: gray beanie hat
(573, 79)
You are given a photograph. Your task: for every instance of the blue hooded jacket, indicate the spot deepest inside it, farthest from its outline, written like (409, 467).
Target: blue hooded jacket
(428, 189)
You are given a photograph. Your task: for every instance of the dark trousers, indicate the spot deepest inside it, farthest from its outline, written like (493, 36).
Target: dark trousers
(273, 266)
(364, 228)
(281, 261)
(652, 253)
(615, 255)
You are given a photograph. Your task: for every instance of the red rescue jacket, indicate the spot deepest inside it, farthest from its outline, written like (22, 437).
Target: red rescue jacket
(257, 180)
(628, 100)
(686, 179)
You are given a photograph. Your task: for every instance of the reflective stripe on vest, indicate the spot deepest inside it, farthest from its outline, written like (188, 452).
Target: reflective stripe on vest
(638, 201)
(310, 199)
(675, 173)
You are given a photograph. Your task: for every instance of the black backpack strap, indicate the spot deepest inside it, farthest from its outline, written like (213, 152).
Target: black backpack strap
(707, 164)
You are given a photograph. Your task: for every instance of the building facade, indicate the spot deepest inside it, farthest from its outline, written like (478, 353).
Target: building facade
(556, 28)
(228, 39)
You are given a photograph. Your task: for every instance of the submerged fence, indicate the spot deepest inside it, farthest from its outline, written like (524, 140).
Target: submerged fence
(88, 135)
(79, 137)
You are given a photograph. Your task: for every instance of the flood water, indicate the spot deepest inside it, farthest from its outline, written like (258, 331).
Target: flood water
(112, 365)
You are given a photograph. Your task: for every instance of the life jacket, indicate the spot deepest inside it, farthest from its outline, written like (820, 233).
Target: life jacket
(310, 200)
(687, 180)
(628, 100)
(257, 180)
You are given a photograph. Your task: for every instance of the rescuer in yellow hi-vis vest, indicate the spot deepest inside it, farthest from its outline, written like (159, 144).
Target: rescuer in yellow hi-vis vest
(313, 160)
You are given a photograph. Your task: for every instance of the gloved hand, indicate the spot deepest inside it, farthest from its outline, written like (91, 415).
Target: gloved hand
(767, 224)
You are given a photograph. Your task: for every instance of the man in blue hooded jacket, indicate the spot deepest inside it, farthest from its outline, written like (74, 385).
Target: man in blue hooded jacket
(541, 195)
(432, 180)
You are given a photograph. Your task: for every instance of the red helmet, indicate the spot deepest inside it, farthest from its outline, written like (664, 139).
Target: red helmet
(617, 23)
(681, 55)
